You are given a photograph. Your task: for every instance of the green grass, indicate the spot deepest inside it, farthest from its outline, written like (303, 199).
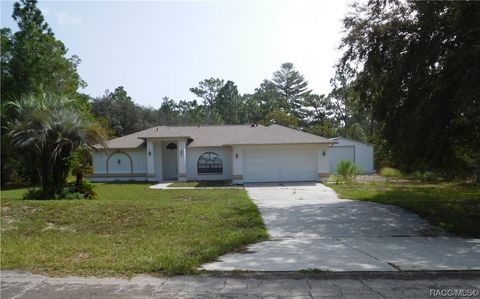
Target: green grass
(129, 229)
(220, 183)
(453, 206)
(391, 172)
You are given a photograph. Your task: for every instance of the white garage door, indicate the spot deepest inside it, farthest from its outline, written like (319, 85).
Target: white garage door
(339, 153)
(279, 165)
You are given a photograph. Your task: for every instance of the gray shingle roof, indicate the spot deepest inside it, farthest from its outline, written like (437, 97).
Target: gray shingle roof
(276, 134)
(221, 135)
(353, 140)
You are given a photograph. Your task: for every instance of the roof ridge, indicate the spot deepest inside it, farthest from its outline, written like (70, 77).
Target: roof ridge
(131, 134)
(299, 130)
(239, 138)
(211, 125)
(176, 132)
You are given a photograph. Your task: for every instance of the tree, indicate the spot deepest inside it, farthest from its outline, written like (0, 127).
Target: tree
(51, 127)
(81, 164)
(291, 85)
(418, 65)
(191, 112)
(120, 111)
(317, 109)
(6, 56)
(208, 90)
(269, 98)
(281, 118)
(32, 60)
(326, 129)
(168, 113)
(228, 104)
(38, 60)
(342, 98)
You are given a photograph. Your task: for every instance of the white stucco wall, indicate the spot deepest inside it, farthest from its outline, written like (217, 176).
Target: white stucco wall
(132, 161)
(99, 159)
(192, 158)
(323, 162)
(232, 159)
(363, 153)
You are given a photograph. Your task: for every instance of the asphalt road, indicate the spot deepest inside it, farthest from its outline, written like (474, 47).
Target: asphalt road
(246, 285)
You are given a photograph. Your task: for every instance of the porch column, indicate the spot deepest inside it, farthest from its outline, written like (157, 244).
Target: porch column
(237, 172)
(323, 163)
(150, 160)
(182, 160)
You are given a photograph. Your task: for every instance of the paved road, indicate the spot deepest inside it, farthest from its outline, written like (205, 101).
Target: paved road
(22, 285)
(311, 228)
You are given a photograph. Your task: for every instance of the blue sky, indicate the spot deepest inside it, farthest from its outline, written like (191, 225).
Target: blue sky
(162, 48)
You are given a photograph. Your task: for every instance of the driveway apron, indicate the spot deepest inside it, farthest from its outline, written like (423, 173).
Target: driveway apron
(312, 229)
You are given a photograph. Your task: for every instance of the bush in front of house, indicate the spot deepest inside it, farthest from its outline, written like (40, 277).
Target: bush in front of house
(391, 172)
(69, 191)
(426, 176)
(51, 129)
(347, 170)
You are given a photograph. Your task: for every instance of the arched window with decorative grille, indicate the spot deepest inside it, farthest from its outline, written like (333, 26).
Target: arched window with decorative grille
(209, 163)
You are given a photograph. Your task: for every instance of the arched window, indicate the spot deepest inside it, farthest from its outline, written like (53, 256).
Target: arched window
(209, 163)
(172, 146)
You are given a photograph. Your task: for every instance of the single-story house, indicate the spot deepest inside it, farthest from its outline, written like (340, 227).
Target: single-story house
(360, 153)
(241, 153)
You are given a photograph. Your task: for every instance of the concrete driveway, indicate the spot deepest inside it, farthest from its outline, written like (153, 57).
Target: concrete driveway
(311, 228)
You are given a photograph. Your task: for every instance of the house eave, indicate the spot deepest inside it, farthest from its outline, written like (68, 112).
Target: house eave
(282, 143)
(164, 137)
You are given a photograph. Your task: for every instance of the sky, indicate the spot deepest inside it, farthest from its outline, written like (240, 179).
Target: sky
(162, 48)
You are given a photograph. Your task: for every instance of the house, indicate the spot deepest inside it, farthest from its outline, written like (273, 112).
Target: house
(359, 152)
(241, 153)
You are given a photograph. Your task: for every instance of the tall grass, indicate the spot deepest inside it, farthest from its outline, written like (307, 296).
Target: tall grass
(347, 170)
(391, 172)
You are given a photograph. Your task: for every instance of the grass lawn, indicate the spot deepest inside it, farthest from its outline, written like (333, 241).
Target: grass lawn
(221, 183)
(129, 229)
(455, 207)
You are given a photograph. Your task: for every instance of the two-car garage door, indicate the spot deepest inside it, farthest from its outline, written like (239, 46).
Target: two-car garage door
(280, 165)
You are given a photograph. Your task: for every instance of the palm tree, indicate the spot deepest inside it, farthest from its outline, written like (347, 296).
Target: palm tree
(52, 127)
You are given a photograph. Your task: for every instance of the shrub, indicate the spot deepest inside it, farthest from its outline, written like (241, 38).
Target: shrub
(34, 194)
(347, 170)
(390, 172)
(87, 190)
(74, 191)
(426, 176)
(69, 193)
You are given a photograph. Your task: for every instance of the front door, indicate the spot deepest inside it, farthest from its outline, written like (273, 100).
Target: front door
(170, 161)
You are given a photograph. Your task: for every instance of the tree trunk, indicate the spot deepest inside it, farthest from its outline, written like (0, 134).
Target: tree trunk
(48, 186)
(79, 181)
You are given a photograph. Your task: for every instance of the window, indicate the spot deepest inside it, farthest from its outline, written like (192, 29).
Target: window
(172, 146)
(209, 163)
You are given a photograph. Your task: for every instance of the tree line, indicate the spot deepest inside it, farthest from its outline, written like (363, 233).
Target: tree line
(285, 99)
(407, 82)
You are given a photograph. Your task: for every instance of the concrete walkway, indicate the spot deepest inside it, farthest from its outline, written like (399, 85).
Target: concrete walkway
(311, 228)
(165, 186)
(24, 285)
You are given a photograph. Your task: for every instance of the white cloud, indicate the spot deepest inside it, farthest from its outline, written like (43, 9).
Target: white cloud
(61, 17)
